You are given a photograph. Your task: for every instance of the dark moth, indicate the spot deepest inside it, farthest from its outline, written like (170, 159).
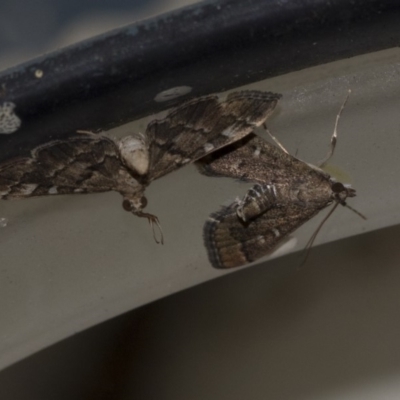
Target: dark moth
(288, 192)
(89, 163)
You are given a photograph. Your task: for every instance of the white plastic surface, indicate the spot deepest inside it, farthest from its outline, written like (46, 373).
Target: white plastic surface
(68, 263)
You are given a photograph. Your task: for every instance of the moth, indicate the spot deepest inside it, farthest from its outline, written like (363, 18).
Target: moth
(90, 163)
(288, 192)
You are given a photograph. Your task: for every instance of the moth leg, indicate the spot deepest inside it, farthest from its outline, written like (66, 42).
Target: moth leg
(279, 144)
(135, 205)
(153, 221)
(334, 135)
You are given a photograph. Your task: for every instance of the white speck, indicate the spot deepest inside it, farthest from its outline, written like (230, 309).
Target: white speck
(260, 239)
(257, 152)
(3, 222)
(9, 122)
(38, 73)
(177, 138)
(228, 132)
(28, 188)
(208, 147)
(238, 200)
(276, 232)
(172, 93)
(186, 160)
(53, 190)
(240, 213)
(78, 190)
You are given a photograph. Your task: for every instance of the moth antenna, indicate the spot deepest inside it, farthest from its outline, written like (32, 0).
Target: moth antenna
(275, 139)
(310, 242)
(355, 211)
(334, 136)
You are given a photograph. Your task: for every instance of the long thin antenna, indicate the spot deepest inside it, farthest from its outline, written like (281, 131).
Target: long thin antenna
(334, 136)
(355, 211)
(310, 242)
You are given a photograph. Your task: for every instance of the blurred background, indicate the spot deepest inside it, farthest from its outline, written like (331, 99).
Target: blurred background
(31, 28)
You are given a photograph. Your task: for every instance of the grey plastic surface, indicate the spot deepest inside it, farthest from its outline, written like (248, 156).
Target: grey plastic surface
(68, 263)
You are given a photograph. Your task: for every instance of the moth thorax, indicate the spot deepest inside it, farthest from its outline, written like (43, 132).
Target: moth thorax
(258, 199)
(135, 153)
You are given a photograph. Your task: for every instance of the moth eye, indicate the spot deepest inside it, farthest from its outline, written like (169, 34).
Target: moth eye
(338, 187)
(143, 202)
(127, 205)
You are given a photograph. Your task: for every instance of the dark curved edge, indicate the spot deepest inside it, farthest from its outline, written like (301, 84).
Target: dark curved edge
(212, 46)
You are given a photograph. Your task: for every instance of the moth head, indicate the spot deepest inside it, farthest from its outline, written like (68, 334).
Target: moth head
(134, 152)
(342, 192)
(134, 205)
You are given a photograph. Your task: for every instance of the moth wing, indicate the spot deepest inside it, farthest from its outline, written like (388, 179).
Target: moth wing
(253, 159)
(81, 164)
(201, 126)
(232, 243)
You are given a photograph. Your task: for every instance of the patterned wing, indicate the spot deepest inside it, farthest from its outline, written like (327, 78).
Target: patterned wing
(232, 243)
(83, 164)
(254, 159)
(204, 125)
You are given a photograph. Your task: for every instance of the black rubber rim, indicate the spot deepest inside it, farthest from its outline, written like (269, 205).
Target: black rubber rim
(210, 47)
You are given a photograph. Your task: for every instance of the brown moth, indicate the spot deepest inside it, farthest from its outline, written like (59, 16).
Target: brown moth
(288, 193)
(89, 163)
